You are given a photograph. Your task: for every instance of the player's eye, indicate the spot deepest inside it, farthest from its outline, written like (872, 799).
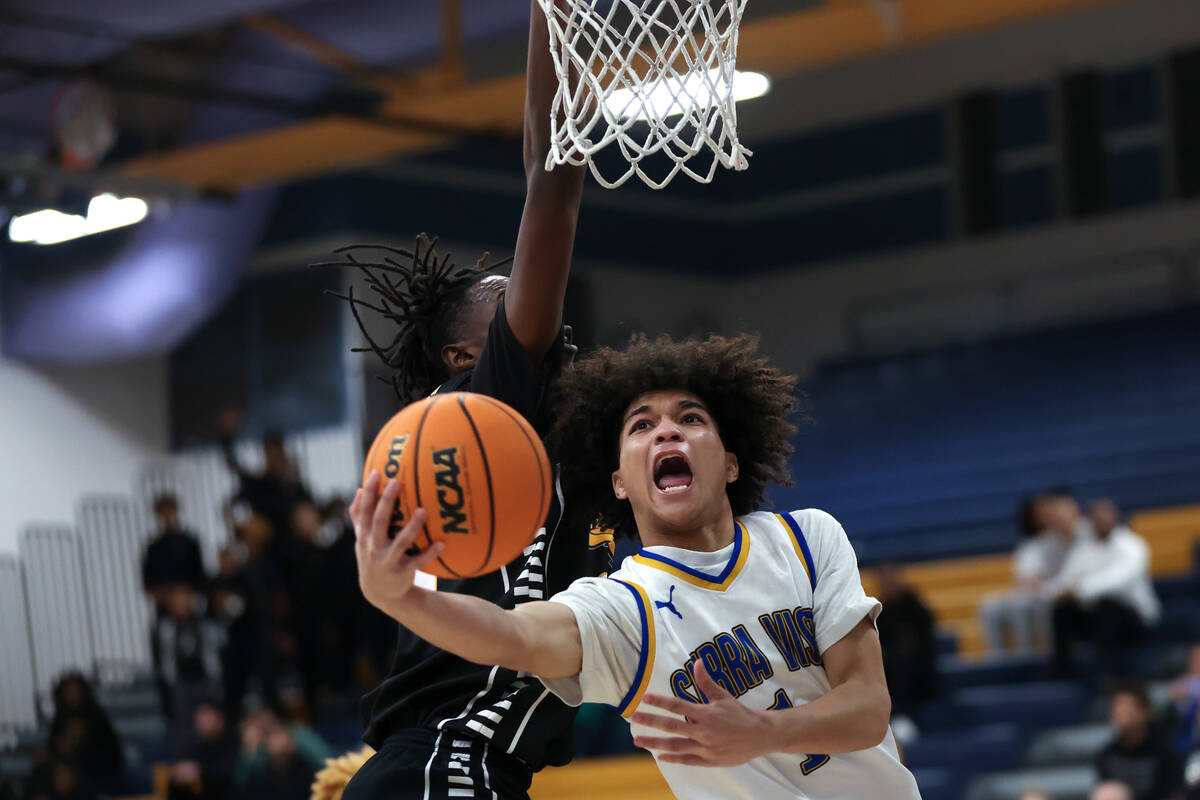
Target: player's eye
(639, 425)
(693, 417)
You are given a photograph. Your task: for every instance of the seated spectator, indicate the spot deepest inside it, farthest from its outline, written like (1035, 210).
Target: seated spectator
(210, 754)
(906, 635)
(85, 751)
(1022, 616)
(1138, 756)
(187, 656)
(1185, 692)
(1103, 593)
(1111, 790)
(172, 554)
(277, 758)
(287, 775)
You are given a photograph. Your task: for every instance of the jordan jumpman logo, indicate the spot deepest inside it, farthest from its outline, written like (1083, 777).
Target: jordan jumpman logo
(669, 604)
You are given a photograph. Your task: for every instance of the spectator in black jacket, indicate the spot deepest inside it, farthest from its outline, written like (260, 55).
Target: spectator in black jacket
(907, 637)
(172, 555)
(275, 491)
(210, 756)
(1138, 755)
(187, 657)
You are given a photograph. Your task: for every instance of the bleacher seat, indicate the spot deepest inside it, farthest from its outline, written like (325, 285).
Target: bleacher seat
(1061, 783)
(982, 747)
(936, 783)
(1070, 744)
(926, 455)
(956, 673)
(1044, 703)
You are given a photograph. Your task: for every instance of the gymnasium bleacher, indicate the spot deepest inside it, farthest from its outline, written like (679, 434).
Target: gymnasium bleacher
(924, 458)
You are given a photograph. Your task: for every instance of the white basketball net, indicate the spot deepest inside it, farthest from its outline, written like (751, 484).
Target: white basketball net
(655, 77)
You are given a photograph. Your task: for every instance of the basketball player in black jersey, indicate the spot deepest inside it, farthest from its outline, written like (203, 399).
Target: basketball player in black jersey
(443, 727)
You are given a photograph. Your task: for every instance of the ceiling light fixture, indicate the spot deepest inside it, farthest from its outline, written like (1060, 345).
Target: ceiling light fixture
(50, 226)
(671, 97)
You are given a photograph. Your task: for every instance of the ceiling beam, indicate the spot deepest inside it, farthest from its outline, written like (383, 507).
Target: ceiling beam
(836, 31)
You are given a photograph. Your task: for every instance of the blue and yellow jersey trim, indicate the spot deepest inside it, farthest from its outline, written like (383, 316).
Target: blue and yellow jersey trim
(719, 582)
(800, 545)
(645, 665)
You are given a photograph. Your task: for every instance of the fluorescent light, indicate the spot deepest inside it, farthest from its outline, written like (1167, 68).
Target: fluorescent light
(673, 96)
(49, 226)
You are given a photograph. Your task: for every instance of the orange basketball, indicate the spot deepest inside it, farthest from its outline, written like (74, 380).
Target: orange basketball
(477, 468)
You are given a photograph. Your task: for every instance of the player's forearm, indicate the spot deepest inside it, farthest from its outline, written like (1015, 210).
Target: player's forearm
(541, 84)
(469, 627)
(851, 716)
(483, 632)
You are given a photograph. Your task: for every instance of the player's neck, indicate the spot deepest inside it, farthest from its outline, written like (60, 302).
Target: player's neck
(707, 536)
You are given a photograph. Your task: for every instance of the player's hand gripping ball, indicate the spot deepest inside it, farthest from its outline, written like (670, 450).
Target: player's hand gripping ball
(477, 468)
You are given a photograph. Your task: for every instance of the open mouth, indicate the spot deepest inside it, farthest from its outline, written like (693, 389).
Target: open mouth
(672, 474)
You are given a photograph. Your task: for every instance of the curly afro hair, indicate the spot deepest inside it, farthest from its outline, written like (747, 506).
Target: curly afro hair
(750, 401)
(423, 295)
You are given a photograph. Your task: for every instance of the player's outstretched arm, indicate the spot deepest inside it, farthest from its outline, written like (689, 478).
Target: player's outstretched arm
(853, 715)
(541, 638)
(534, 299)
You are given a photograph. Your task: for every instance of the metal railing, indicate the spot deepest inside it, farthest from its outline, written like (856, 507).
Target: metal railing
(73, 598)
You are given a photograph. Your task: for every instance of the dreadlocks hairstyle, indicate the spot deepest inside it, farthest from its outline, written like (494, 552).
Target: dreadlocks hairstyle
(423, 295)
(749, 401)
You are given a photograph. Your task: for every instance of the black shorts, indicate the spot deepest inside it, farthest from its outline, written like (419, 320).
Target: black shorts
(418, 764)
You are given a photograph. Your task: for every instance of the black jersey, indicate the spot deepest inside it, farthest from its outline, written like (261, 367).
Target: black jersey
(431, 689)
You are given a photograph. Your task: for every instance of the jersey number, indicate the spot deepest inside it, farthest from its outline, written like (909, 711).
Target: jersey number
(813, 762)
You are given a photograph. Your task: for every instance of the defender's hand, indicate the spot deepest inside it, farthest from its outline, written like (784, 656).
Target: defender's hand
(385, 569)
(720, 733)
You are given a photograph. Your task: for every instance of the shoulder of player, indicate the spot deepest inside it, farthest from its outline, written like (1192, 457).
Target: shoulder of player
(612, 593)
(812, 522)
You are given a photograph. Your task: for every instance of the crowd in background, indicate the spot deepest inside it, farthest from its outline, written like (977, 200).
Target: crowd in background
(1083, 592)
(244, 657)
(280, 635)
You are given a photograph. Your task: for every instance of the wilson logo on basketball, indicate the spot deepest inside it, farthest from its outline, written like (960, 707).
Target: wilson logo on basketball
(395, 452)
(449, 493)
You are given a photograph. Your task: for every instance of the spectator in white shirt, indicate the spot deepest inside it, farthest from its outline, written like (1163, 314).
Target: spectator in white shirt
(1103, 593)
(1018, 621)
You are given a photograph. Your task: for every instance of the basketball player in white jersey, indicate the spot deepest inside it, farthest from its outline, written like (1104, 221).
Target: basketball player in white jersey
(739, 643)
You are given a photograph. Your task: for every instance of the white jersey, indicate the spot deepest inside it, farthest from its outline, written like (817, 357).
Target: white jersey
(760, 613)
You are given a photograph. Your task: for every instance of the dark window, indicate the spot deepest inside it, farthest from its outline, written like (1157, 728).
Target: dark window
(1027, 197)
(1129, 98)
(1135, 178)
(1023, 117)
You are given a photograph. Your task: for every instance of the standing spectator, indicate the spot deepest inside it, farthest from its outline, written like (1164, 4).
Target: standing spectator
(172, 555)
(233, 605)
(1023, 614)
(172, 559)
(1138, 756)
(906, 634)
(188, 657)
(84, 745)
(272, 493)
(1103, 593)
